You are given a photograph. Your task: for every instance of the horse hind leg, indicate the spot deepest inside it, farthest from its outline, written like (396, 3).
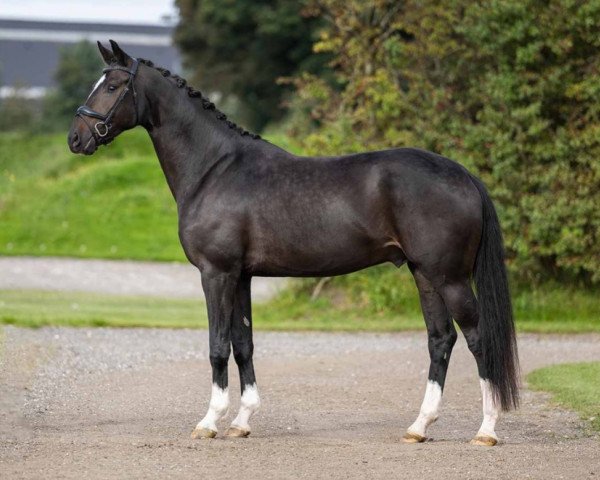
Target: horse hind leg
(441, 339)
(462, 304)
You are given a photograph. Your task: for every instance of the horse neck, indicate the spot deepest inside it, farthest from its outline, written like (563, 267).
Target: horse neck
(189, 140)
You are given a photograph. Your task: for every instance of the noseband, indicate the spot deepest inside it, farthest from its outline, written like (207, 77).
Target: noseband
(101, 128)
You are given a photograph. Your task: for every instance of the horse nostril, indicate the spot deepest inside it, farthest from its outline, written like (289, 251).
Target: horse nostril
(75, 140)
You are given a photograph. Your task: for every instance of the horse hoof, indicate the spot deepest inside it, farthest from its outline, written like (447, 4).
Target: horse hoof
(237, 432)
(484, 441)
(203, 433)
(410, 437)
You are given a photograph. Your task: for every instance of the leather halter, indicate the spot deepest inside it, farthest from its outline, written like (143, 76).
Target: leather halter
(102, 127)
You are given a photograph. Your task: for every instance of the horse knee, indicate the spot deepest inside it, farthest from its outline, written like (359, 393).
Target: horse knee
(219, 356)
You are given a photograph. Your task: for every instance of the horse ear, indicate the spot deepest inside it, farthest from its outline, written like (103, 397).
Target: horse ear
(107, 55)
(121, 57)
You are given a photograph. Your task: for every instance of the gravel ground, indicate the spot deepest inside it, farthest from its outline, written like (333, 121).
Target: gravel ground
(106, 403)
(113, 277)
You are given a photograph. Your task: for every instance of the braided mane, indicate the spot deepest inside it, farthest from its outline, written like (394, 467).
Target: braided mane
(193, 93)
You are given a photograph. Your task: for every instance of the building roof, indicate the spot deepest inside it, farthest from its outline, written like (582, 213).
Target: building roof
(29, 50)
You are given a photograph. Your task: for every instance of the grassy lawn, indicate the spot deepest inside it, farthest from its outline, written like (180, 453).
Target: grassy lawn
(36, 309)
(557, 309)
(572, 385)
(336, 309)
(114, 204)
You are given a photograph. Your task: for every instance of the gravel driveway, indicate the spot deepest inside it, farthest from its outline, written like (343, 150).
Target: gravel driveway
(105, 403)
(115, 277)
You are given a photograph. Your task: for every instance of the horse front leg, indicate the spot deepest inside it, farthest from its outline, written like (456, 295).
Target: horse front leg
(219, 290)
(243, 349)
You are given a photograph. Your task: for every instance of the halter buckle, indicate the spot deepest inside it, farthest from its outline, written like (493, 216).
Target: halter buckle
(102, 125)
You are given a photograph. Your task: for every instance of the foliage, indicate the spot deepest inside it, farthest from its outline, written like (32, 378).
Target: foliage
(382, 292)
(509, 88)
(573, 385)
(16, 112)
(240, 48)
(78, 69)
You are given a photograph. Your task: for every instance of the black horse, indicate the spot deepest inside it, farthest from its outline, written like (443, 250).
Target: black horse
(247, 207)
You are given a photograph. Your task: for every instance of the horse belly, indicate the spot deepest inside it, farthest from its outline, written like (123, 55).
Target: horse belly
(324, 253)
(337, 223)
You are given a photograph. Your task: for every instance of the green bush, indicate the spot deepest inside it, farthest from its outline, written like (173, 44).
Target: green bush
(508, 88)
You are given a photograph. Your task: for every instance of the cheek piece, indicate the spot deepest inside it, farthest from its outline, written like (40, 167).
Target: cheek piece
(101, 128)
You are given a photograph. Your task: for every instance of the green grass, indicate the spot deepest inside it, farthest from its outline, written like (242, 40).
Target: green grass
(37, 308)
(287, 312)
(557, 309)
(385, 293)
(572, 385)
(337, 309)
(114, 204)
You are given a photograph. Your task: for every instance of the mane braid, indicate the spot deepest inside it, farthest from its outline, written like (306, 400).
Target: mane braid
(193, 93)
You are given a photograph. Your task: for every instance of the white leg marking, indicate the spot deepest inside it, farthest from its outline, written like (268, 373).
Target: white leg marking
(490, 411)
(217, 408)
(98, 83)
(249, 406)
(429, 409)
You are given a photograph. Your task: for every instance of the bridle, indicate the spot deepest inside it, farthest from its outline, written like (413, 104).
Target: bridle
(101, 128)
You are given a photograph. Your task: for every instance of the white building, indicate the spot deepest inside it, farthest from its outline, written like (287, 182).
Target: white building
(29, 50)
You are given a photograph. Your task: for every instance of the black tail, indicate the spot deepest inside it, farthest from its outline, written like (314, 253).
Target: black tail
(496, 326)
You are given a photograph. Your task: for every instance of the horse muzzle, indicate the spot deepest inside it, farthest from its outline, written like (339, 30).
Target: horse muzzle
(81, 141)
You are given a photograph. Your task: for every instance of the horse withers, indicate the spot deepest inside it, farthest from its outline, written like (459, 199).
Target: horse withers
(249, 208)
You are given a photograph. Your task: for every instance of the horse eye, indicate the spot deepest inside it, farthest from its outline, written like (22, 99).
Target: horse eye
(111, 88)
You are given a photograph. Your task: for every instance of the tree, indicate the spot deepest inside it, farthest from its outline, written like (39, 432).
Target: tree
(78, 69)
(510, 88)
(240, 48)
